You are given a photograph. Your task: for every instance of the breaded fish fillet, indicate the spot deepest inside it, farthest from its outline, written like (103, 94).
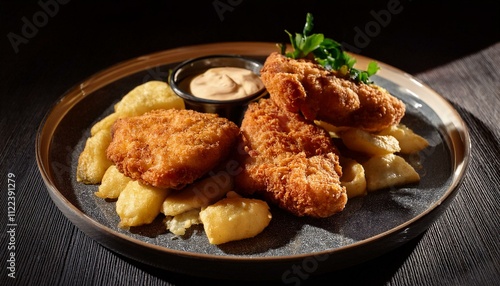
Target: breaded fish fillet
(304, 86)
(170, 148)
(289, 161)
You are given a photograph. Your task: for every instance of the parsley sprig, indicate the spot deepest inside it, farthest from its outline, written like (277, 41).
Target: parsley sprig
(326, 52)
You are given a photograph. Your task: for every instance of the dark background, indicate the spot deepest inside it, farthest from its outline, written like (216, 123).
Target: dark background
(84, 37)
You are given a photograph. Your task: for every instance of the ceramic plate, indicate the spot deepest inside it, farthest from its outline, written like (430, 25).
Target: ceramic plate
(369, 226)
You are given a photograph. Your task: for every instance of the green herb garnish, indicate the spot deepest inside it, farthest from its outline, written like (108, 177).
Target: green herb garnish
(326, 52)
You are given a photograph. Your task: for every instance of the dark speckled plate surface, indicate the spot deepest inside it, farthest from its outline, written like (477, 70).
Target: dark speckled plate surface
(368, 227)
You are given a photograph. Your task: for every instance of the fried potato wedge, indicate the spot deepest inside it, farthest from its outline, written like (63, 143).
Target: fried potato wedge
(369, 143)
(334, 131)
(388, 171)
(353, 178)
(198, 195)
(93, 163)
(113, 183)
(235, 218)
(143, 98)
(146, 97)
(409, 141)
(104, 124)
(139, 204)
(178, 224)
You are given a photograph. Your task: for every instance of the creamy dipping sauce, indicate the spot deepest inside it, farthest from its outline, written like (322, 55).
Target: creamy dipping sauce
(225, 83)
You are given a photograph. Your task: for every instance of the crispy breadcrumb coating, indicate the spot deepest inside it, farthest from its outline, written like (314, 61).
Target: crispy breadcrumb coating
(170, 148)
(290, 162)
(306, 87)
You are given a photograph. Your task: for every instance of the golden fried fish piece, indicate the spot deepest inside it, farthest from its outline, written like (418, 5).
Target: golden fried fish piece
(290, 162)
(303, 86)
(170, 148)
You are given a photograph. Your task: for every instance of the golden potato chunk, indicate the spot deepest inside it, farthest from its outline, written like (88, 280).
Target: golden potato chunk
(388, 171)
(139, 204)
(113, 183)
(143, 98)
(353, 178)
(198, 195)
(334, 131)
(104, 124)
(368, 143)
(93, 163)
(409, 141)
(235, 218)
(146, 97)
(180, 223)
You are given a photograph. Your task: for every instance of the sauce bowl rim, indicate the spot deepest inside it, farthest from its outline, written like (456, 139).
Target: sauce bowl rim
(174, 79)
